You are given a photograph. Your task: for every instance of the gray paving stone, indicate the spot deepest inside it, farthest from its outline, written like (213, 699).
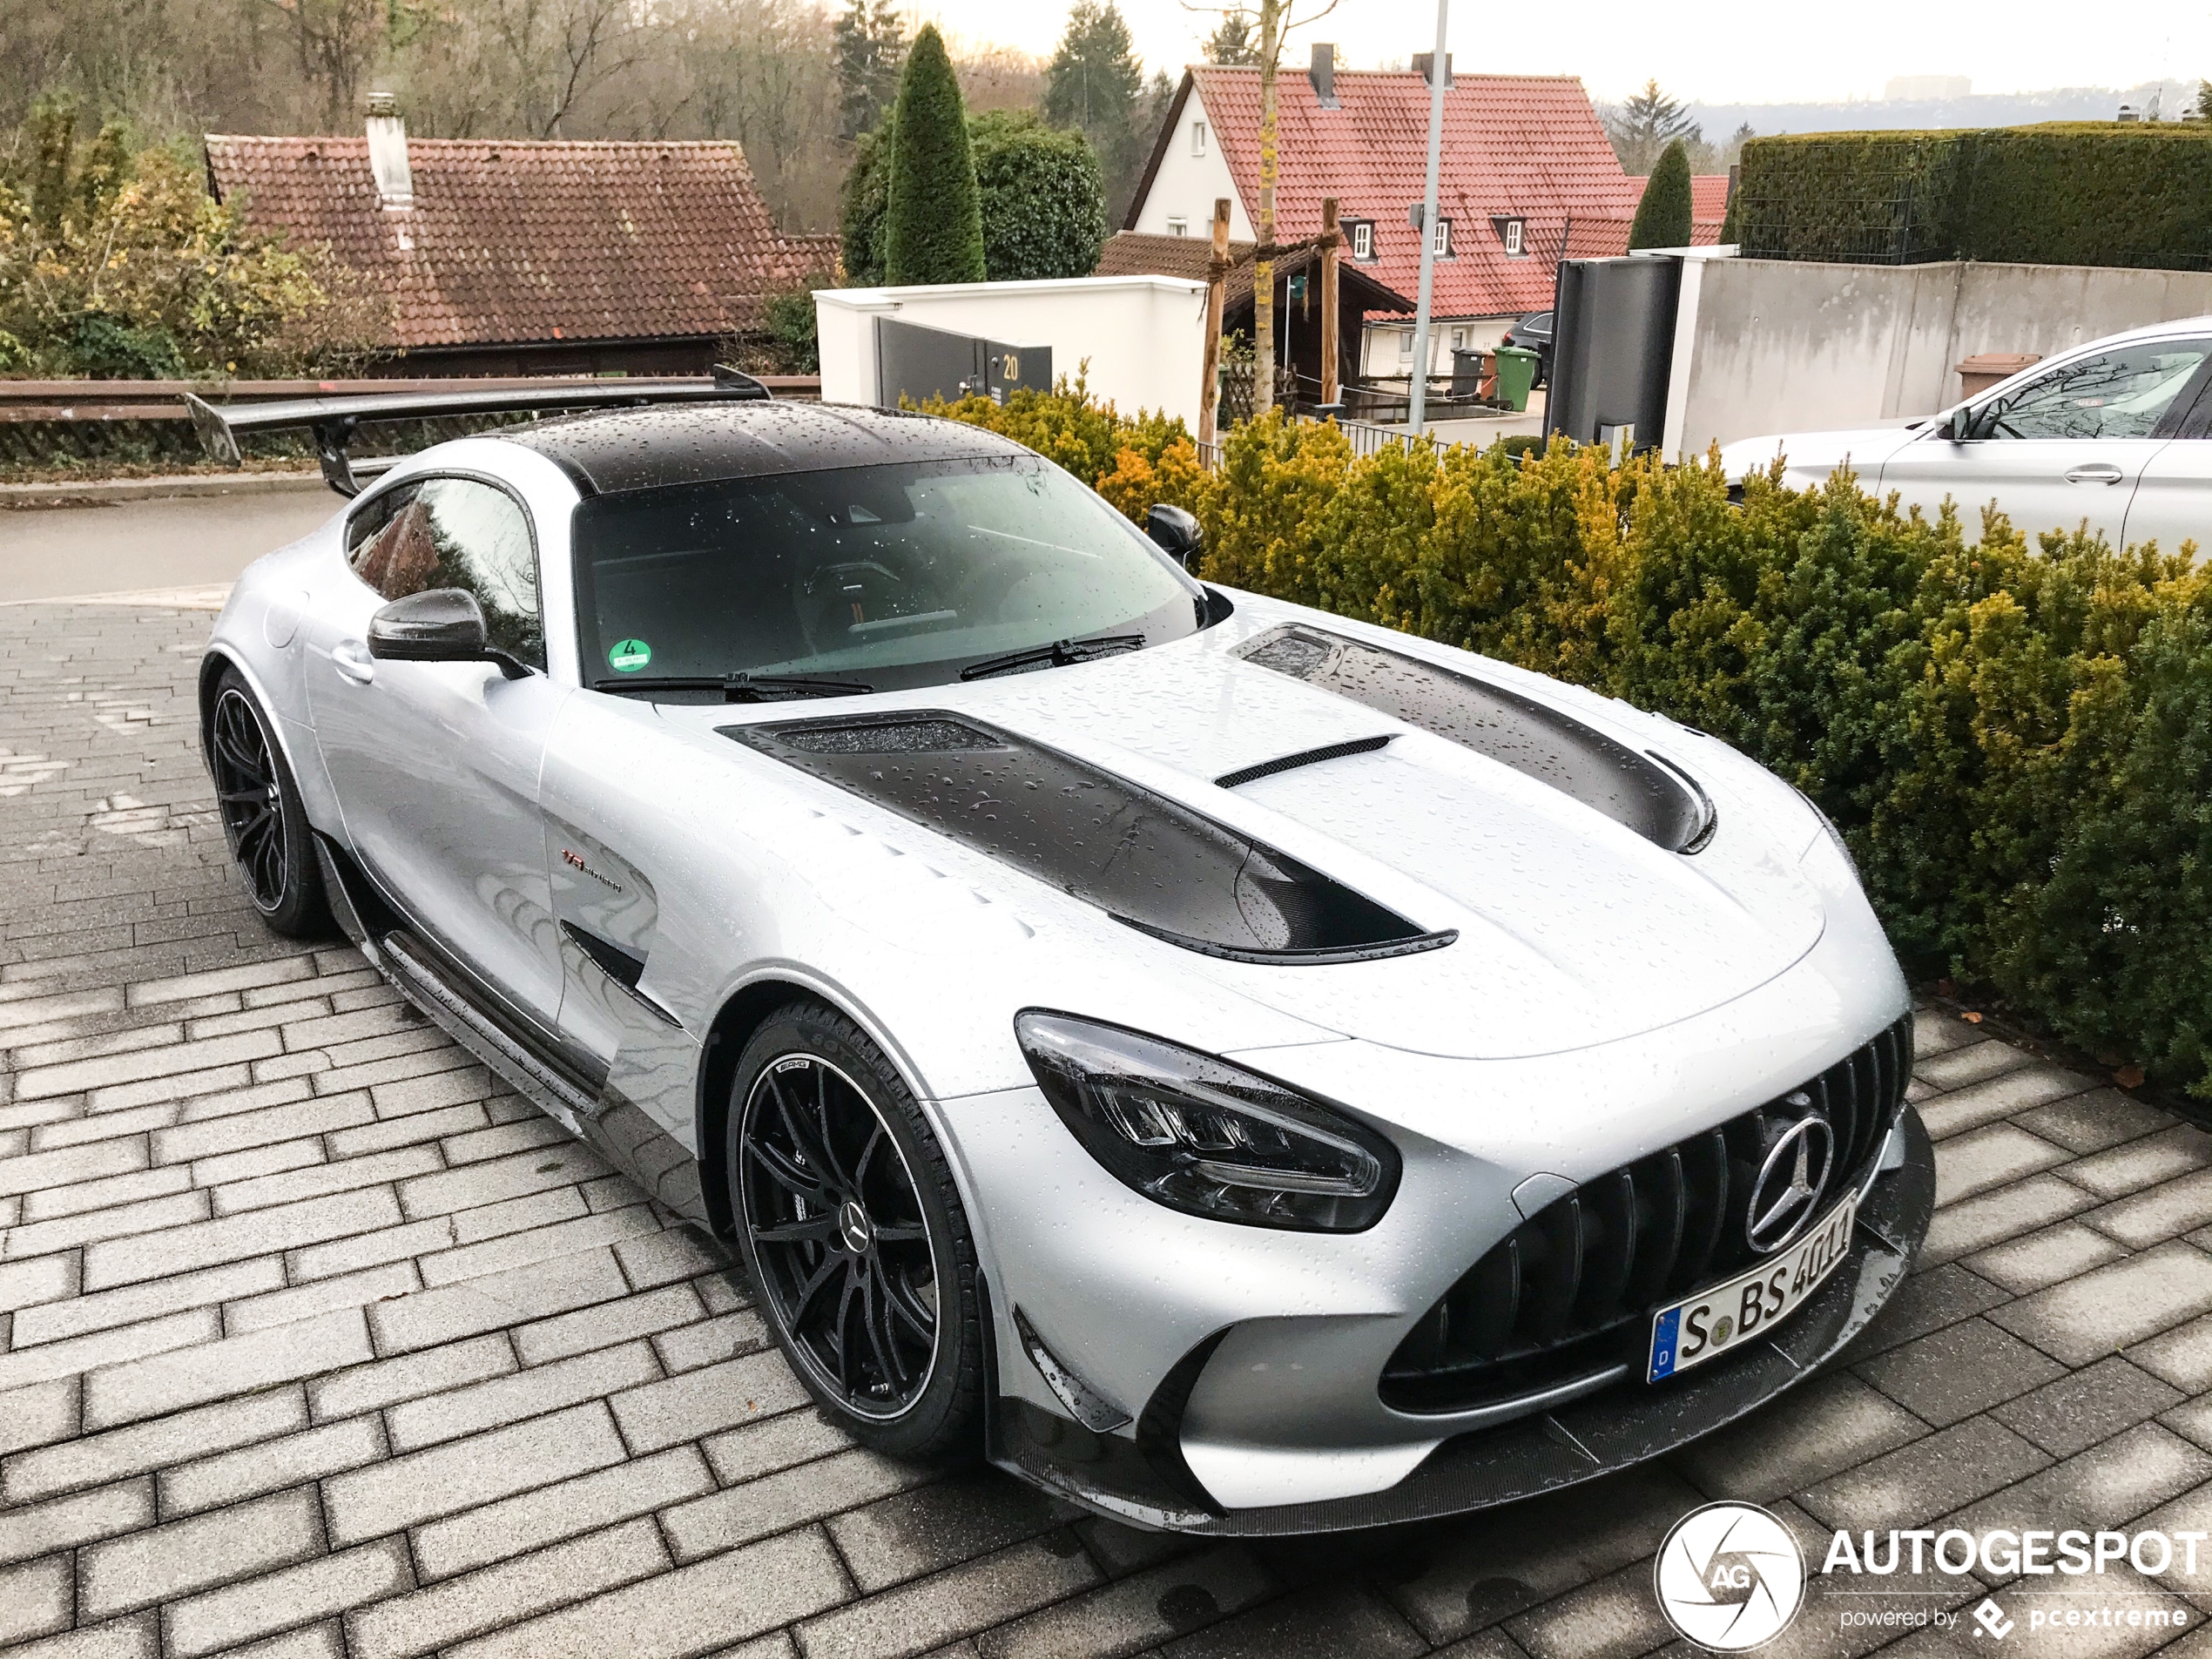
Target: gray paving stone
(762, 1447)
(1817, 1430)
(39, 1414)
(529, 1393)
(777, 1502)
(342, 1175)
(2182, 1356)
(81, 1517)
(1926, 1302)
(150, 1215)
(1952, 1373)
(496, 1300)
(2139, 1164)
(726, 1337)
(719, 1602)
(2094, 1121)
(506, 1178)
(926, 1614)
(421, 1486)
(2083, 1407)
(149, 1300)
(532, 1210)
(37, 1598)
(1969, 1063)
(480, 1145)
(701, 1402)
(2103, 1486)
(324, 1640)
(608, 1324)
(1317, 1622)
(514, 1526)
(1138, 1612)
(1613, 1618)
(304, 1595)
(1973, 1224)
(31, 1173)
(466, 1082)
(304, 1301)
(213, 1481)
(2043, 1258)
(2008, 1095)
(166, 1562)
(1994, 1156)
(214, 1056)
(2144, 1218)
(539, 1244)
(45, 1278)
(372, 1387)
(75, 1132)
(931, 1527)
(71, 1355)
(483, 1601)
(55, 1202)
(423, 1127)
(2111, 1308)
(1934, 1476)
(135, 1638)
(274, 1159)
(236, 1131)
(253, 1097)
(123, 1261)
(655, 1259)
(169, 1382)
(98, 1458)
(367, 1249)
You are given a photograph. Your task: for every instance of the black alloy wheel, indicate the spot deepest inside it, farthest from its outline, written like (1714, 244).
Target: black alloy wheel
(849, 1223)
(263, 821)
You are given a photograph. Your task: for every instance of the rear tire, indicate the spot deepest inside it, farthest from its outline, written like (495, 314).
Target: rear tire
(855, 1235)
(263, 821)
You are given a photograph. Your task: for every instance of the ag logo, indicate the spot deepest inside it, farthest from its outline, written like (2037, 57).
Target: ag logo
(1729, 1577)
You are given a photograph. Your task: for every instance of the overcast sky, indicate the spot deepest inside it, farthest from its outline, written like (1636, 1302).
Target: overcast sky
(1733, 51)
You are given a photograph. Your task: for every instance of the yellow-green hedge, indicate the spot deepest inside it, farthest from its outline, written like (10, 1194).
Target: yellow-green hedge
(2016, 740)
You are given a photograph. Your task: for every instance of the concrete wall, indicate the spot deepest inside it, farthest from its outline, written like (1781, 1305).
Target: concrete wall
(1777, 345)
(1143, 337)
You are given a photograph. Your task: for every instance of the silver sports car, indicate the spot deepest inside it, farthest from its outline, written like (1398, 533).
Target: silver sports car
(1244, 1070)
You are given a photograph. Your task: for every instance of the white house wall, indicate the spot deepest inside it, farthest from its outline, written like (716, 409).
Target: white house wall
(1138, 341)
(1187, 186)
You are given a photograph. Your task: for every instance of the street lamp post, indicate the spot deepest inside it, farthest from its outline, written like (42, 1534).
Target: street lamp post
(1417, 414)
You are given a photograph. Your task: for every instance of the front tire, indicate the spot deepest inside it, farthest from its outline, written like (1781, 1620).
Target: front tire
(263, 821)
(855, 1235)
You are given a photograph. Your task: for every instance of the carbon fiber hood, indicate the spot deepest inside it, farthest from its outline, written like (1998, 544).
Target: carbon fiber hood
(1502, 878)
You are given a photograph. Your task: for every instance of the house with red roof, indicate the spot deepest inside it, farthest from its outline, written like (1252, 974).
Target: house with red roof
(1528, 177)
(503, 256)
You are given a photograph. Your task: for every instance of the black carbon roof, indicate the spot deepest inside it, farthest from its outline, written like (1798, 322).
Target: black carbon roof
(696, 443)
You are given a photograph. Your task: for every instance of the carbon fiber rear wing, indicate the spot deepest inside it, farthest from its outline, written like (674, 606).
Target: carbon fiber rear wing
(333, 421)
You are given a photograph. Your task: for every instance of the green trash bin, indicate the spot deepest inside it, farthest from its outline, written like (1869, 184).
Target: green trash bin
(1516, 375)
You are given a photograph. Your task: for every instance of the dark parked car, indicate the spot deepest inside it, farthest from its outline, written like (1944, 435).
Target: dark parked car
(1534, 333)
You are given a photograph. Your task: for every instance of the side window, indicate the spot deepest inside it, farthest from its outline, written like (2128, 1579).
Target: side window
(457, 533)
(2122, 392)
(372, 517)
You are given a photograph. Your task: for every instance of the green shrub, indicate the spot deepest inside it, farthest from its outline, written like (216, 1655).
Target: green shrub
(1663, 216)
(932, 221)
(2014, 739)
(1043, 211)
(2065, 193)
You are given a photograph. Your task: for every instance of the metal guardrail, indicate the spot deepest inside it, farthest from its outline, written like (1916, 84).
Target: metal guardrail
(98, 401)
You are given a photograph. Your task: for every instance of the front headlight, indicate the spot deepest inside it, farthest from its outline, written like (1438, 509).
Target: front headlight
(1200, 1135)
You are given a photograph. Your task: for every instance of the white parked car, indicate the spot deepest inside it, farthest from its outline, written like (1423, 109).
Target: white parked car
(2116, 434)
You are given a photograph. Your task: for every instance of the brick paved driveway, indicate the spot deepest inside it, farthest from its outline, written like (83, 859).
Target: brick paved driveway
(311, 1337)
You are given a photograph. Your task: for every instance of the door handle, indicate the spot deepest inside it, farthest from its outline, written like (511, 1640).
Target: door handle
(2093, 472)
(351, 658)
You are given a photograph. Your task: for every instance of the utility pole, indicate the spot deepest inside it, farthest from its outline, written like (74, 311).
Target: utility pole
(1274, 22)
(1417, 414)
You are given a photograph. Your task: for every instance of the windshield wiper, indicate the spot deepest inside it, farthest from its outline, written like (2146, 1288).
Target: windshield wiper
(1058, 654)
(740, 688)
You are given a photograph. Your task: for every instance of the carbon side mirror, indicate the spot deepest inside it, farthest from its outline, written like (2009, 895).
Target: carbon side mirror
(1176, 530)
(437, 626)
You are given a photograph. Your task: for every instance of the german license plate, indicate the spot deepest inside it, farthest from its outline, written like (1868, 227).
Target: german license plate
(1723, 1315)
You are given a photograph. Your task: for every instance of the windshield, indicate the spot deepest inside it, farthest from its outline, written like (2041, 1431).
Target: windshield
(880, 578)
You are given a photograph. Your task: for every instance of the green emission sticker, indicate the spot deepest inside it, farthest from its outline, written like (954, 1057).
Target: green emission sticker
(629, 656)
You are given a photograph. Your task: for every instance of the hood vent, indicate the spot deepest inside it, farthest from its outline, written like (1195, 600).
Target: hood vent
(1653, 797)
(1150, 862)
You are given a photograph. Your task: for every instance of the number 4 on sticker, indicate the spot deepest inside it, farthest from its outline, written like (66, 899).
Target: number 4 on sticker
(629, 656)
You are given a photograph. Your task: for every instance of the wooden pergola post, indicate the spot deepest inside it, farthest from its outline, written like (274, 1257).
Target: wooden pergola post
(1330, 237)
(1216, 287)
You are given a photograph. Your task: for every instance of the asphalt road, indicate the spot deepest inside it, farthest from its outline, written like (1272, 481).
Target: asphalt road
(182, 542)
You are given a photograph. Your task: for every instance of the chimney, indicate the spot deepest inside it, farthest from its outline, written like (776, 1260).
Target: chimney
(1422, 60)
(387, 154)
(1324, 74)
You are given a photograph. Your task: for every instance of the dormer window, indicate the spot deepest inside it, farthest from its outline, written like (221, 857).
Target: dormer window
(1360, 234)
(1197, 138)
(1513, 236)
(1440, 244)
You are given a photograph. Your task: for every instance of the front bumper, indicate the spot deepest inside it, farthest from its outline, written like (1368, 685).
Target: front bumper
(1145, 1480)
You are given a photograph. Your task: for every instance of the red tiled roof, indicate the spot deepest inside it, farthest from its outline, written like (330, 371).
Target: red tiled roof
(1594, 238)
(1515, 145)
(516, 241)
(1708, 201)
(1135, 253)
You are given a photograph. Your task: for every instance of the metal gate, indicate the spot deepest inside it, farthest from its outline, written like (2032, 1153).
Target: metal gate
(917, 362)
(1612, 349)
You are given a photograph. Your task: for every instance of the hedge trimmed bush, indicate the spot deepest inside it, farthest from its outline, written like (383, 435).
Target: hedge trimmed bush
(2016, 741)
(2137, 194)
(1664, 216)
(932, 228)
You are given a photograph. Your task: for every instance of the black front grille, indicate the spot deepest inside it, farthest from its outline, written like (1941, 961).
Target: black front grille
(1570, 1291)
